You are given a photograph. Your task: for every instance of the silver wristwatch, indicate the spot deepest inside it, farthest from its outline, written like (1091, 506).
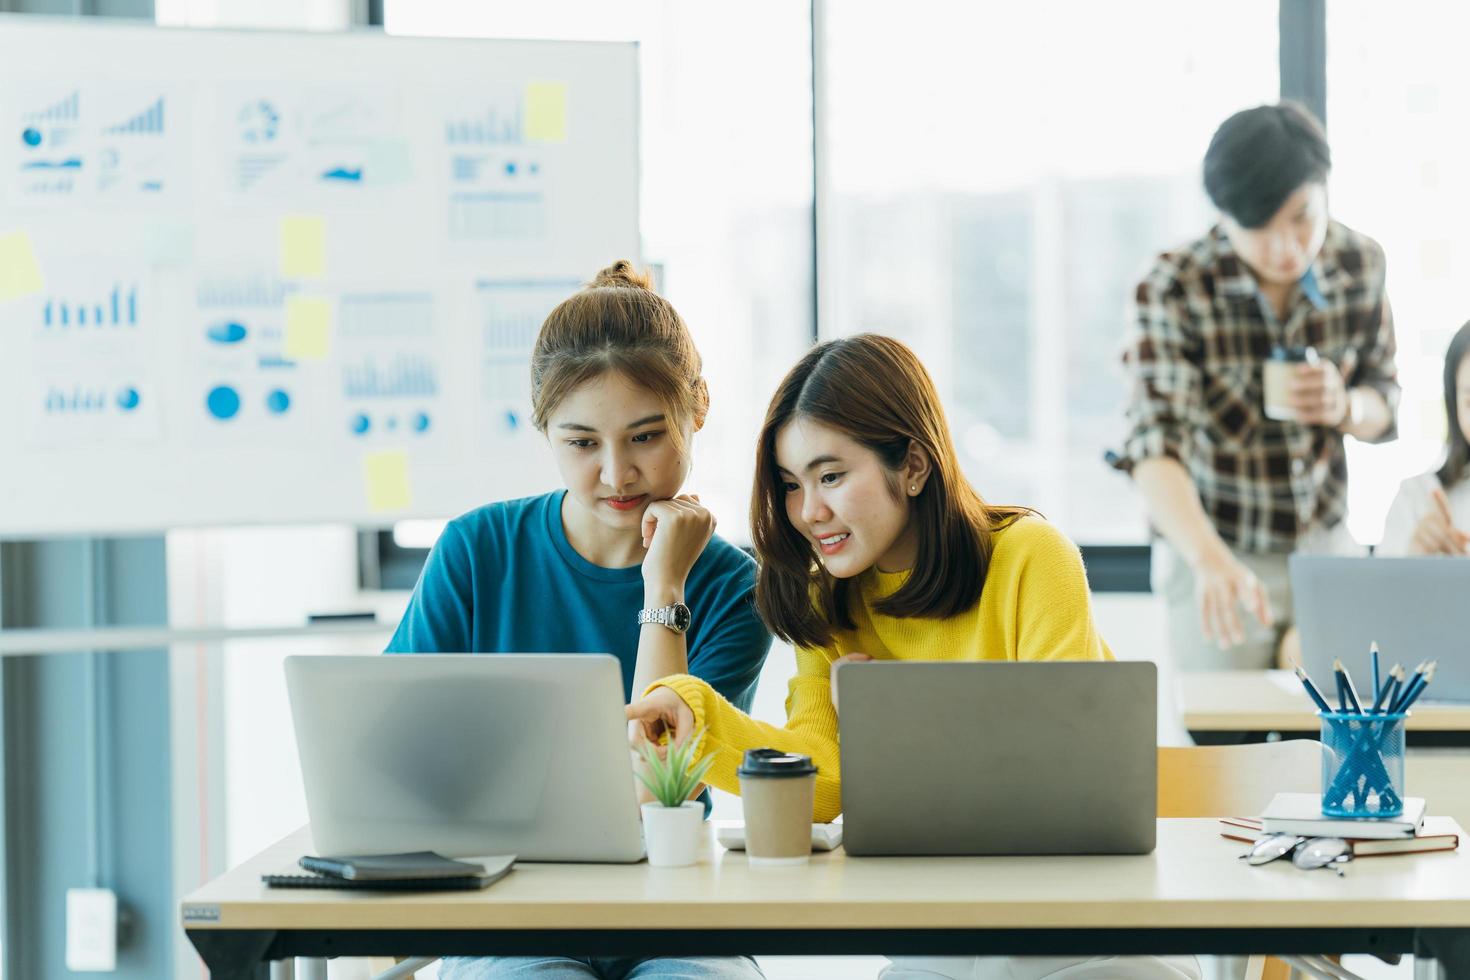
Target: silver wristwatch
(675, 617)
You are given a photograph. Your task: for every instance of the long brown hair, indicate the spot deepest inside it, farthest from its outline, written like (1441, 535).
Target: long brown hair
(876, 391)
(1456, 449)
(618, 323)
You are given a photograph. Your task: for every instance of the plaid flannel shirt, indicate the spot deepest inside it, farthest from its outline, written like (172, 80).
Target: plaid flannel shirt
(1194, 355)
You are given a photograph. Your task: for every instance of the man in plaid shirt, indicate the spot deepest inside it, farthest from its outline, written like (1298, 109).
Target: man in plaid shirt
(1231, 491)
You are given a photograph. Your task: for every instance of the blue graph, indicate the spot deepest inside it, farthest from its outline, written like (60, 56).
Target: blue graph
(493, 126)
(403, 376)
(349, 175)
(514, 311)
(148, 122)
(268, 362)
(419, 422)
(67, 110)
(492, 214)
(259, 121)
(227, 332)
(61, 185)
(375, 316)
(240, 291)
(119, 309)
(223, 402)
(71, 163)
(91, 400)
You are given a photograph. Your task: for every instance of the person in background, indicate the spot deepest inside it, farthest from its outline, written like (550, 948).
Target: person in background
(1431, 513)
(616, 562)
(874, 546)
(1231, 491)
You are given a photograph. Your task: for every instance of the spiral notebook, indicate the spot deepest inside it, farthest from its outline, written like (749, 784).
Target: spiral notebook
(493, 868)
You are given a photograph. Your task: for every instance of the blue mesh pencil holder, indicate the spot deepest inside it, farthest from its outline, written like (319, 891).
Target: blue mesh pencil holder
(1362, 764)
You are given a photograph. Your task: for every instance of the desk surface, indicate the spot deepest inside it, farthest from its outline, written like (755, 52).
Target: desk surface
(1193, 880)
(1273, 701)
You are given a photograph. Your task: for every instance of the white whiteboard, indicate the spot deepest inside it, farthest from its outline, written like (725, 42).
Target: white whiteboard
(280, 276)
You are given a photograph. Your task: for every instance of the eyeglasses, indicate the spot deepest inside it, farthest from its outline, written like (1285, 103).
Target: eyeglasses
(1307, 853)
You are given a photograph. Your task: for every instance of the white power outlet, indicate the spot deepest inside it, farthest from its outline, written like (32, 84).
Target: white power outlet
(91, 930)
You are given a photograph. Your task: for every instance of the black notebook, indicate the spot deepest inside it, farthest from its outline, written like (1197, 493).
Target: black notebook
(384, 867)
(484, 872)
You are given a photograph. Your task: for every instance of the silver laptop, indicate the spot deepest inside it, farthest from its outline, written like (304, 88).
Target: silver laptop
(466, 755)
(1413, 608)
(998, 758)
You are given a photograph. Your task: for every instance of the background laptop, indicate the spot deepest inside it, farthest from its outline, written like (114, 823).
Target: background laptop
(466, 755)
(1414, 608)
(998, 758)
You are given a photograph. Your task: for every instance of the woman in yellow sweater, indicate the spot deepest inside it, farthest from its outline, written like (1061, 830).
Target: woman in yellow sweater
(873, 545)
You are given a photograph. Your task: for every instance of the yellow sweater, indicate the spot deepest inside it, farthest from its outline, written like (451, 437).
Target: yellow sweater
(1035, 606)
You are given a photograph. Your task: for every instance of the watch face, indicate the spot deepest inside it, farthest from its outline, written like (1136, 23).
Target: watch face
(681, 617)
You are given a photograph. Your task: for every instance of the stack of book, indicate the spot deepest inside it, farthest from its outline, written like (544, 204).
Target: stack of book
(1301, 814)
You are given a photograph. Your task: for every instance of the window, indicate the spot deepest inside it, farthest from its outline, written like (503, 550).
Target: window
(999, 181)
(1392, 86)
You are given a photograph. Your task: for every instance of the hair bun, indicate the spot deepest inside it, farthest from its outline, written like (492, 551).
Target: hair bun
(622, 274)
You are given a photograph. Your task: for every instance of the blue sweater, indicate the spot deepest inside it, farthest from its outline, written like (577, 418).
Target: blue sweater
(504, 579)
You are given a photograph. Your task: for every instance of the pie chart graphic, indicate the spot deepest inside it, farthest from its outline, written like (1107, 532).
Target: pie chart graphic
(223, 402)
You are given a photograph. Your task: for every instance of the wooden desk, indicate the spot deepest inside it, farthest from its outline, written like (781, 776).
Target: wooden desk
(1190, 895)
(1239, 704)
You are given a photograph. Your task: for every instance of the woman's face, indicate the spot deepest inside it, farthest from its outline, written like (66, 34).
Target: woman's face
(1281, 250)
(611, 441)
(1462, 396)
(843, 500)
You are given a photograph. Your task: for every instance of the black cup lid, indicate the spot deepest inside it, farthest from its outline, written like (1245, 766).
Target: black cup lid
(774, 762)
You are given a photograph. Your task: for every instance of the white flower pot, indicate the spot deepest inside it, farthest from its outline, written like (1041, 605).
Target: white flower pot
(671, 833)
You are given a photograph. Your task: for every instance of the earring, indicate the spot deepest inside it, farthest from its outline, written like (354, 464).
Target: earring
(913, 488)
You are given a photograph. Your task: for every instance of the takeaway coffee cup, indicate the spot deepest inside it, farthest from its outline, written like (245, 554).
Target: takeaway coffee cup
(1280, 366)
(776, 792)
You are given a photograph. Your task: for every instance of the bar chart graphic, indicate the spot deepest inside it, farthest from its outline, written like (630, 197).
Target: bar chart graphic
(91, 399)
(402, 375)
(379, 316)
(149, 122)
(118, 309)
(512, 311)
(497, 215)
(68, 110)
(232, 291)
(496, 124)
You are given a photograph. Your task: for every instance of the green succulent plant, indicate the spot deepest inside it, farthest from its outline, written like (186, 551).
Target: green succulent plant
(671, 778)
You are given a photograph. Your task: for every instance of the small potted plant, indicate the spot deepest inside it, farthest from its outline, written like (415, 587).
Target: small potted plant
(672, 821)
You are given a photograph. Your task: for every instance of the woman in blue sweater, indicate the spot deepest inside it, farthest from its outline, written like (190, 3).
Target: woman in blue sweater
(617, 561)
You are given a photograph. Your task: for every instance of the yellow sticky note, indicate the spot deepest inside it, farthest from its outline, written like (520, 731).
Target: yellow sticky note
(303, 246)
(308, 328)
(546, 112)
(386, 474)
(19, 273)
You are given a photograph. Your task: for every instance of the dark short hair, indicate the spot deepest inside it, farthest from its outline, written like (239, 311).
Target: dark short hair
(1259, 157)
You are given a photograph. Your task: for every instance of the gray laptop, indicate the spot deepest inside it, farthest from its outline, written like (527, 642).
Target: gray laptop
(1413, 608)
(998, 758)
(466, 755)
